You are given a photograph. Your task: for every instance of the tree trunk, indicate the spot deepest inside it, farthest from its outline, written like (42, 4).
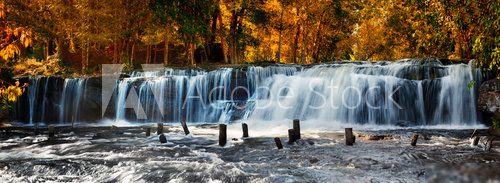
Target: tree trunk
(239, 31)
(232, 31)
(191, 49)
(206, 54)
(87, 60)
(126, 53)
(154, 56)
(62, 51)
(165, 53)
(47, 48)
(148, 52)
(85, 56)
(222, 40)
(317, 44)
(296, 44)
(214, 26)
(115, 52)
(303, 50)
(279, 38)
(132, 54)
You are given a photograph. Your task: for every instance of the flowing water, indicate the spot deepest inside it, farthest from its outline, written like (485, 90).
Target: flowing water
(404, 93)
(130, 156)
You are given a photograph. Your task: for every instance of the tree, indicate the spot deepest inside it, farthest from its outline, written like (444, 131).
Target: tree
(190, 19)
(14, 37)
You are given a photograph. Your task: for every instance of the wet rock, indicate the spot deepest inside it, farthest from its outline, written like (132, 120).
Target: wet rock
(107, 134)
(376, 137)
(489, 98)
(402, 124)
(302, 142)
(4, 116)
(313, 160)
(124, 76)
(102, 135)
(426, 137)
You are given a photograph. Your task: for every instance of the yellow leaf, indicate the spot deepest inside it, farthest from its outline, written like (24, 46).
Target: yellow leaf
(16, 32)
(19, 92)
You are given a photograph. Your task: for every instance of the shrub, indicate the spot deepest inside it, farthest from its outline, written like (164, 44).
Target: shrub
(9, 94)
(496, 124)
(33, 67)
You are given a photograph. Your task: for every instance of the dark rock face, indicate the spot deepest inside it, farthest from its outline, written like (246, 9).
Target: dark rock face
(4, 115)
(489, 98)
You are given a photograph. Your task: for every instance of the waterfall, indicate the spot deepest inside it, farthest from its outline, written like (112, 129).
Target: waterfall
(173, 96)
(33, 96)
(72, 95)
(377, 94)
(403, 93)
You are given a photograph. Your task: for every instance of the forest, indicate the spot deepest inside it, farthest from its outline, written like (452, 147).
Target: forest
(79, 35)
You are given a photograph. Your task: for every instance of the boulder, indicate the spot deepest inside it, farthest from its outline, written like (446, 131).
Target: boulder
(489, 98)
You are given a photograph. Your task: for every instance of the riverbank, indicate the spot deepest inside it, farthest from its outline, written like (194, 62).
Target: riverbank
(440, 155)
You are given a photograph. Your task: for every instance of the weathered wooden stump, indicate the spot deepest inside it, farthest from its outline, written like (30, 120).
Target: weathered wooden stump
(349, 137)
(148, 131)
(51, 131)
(279, 145)
(222, 134)
(414, 139)
(159, 130)
(292, 136)
(475, 140)
(185, 127)
(296, 128)
(244, 126)
(163, 139)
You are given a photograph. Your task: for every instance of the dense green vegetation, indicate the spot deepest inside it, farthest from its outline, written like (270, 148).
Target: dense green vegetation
(82, 34)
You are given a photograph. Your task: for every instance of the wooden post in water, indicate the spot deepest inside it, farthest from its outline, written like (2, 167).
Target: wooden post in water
(52, 132)
(185, 127)
(244, 126)
(475, 141)
(414, 139)
(277, 140)
(222, 134)
(159, 130)
(292, 136)
(148, 131)
(349, 137)
(163, 139)
(296, 128)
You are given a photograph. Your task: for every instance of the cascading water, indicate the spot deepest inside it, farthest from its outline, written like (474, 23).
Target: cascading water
(195, 96)
(404, 93)
(72, 95)
(369, 94)
(32, 96)
(40, 103)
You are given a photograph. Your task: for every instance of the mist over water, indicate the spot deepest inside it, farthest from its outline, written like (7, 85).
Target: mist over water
(408, 93)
